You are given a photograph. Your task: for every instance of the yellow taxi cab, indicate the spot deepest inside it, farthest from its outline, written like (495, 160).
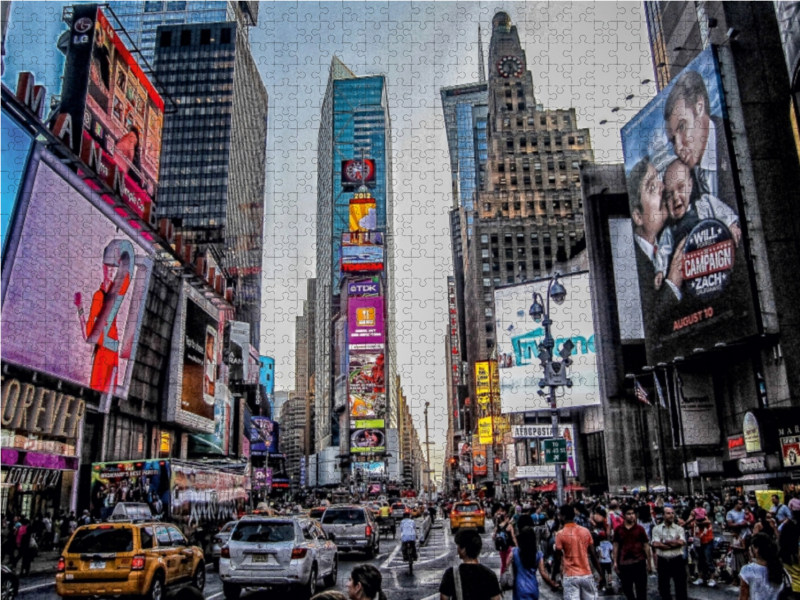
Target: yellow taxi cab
(140, 559)
(467, 514)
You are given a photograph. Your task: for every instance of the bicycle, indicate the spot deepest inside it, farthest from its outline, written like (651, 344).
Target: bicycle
(410, 555)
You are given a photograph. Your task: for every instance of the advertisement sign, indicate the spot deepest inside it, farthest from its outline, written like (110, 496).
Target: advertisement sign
(264, 434)
(130, 481)
(790, 451)
(479, 461)
(15, 152)
(363, 215)
(751, 432)
(110, 114)
(358, 172)
(368, 440)
(487, 382)
(365, 325)
(367, 387)
(690, 250)
(199, 361)
(218, 442)
(74, 289)
(695, 393)
(364, 287)
(200, 494)
(259, 478)
(485, 430)
(736, 449)
(362, 252)
(237, 340)
(518, 337)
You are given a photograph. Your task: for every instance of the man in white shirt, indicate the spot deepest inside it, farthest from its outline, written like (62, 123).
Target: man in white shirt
(408, 537)
(668, 540)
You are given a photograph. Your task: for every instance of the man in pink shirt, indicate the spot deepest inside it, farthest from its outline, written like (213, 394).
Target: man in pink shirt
(576, 549)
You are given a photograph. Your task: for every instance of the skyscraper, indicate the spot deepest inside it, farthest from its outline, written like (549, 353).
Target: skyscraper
(214, 146)
(355, 124)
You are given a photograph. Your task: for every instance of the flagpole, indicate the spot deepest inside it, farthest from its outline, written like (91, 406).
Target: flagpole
(661, 435)
(644, 456)
(678, 395)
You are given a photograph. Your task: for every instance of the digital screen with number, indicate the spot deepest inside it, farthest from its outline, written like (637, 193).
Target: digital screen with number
(74, 297)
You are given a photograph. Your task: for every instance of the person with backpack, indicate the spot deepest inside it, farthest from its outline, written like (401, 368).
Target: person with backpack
(526, 560)
(504, 538)
(470, 580)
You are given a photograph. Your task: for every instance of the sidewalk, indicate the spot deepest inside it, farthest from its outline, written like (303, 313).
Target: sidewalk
(45, 563)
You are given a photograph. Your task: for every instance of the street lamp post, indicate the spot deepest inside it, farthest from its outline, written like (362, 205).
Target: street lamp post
(555, 371)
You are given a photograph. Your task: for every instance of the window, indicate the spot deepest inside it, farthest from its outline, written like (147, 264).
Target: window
(505, 206)
(186, 37)
(485, 267)
(162, 535)
(489, 328)
(205, 37)
(487, 298)
(153, 7)
(580, 139)
(486, 207)
(521, 106)
(509, 106)
(176, 537)
(146, 535)
(484, 239)
(485, 253)
(489, 343)
(118, 539)
(543, 120)
(166, 39)
(487, 282)
(260, 531)
(509, 266)
(516, 204)
(488, 312)
(494, 239)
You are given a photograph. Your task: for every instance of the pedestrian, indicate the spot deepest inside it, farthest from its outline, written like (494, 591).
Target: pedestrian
(470, 580)
(779, 510)
(575, 547)
(762, 577)
(737, 524)
(504, 538)
(526, 560)
(668, 541)
(47, 537)
(365, 583)
(703, 543)
(11, 542)
(24, 546)
(86, 518)
(765, 523)
(605, 551)
(789, 553)
(614, 518)
(632, 559)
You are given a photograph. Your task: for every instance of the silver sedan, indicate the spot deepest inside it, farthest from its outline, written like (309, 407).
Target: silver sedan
(275, 552)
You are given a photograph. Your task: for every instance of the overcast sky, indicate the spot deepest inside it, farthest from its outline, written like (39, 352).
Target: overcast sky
(583, 55)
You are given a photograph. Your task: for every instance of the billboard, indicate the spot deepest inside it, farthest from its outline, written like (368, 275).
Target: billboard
(364, 287)
(479, 461)
(358, 172)
(487, 382)
(130, 481)
(199, 361)
(363, 215)
(200, 494)
(362, 252)
(689, 242)
(367, 436)
(365, 325)
(485, 430)
(110, 114)
(15, 152)
(366, 386)
(218, 442)
(74, 286)
(264, 434)
(518, 337)
(238, 350)
(697, 409)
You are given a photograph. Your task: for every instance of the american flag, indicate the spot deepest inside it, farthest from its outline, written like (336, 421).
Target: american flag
(641, 393)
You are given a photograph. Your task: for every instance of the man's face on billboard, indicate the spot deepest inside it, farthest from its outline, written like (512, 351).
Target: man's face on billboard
(687, 129)
(652, 216)
(678, 189)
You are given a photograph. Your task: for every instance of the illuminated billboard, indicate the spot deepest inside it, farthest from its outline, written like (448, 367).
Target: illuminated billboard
(487, 382)
(145, 481)
(358, 172)
(364, 287)
(74, 285)
(264, 434)
(367, 436)
(518, 337)
(365, 325)
(689, 241)
(363, 215)
(237, 340)
(219, 441)
(362, 252)
(110, 114)
(366, 386)
(479, 460)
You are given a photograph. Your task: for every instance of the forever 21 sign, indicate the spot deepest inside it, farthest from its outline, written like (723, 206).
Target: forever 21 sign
(36, 409)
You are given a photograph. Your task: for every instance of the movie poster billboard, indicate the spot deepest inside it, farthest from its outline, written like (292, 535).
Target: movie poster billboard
(200, 494)
(110, 114)
(15, 150)
(688, 236)
(518, 337)
(74, 285)
(365, 324)
(263, 436)
(130, 481)
(198, 394)
(366, 386)
(367, 436)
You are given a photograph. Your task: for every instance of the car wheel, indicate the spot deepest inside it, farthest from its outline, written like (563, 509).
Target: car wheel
(311, 588)
(199, 578)
(231, 591)
(156, 588)
(330, 580)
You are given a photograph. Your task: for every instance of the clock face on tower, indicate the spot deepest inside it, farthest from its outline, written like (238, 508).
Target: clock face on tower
(509, 66)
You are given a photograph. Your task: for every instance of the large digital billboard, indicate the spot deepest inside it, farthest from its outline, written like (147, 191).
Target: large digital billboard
(130, 481)
(74, 285)
(110, 114)
(15, 149)
(367, 436)
(688, 237)
(199, 361)
(237, 341)
(356, 173)
(362, 252)
(264, 434)
(363, 214)
(518, 337)
(200, 494)
(365, 325)
(366, 386)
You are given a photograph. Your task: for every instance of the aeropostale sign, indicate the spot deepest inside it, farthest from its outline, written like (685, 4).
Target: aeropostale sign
(37, 409)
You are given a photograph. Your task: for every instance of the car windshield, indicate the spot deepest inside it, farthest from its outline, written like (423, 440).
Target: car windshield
(228, 527)
(256, 531)
(88, 541)
(316, 513)
(345, 516)
(466, 508)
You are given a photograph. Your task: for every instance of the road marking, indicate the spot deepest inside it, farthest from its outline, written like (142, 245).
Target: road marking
(431, 597)
(391, 556)
(215, 595)
(36, 587)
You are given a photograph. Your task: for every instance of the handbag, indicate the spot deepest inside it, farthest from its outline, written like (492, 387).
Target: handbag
(457, 578)
(509, 576)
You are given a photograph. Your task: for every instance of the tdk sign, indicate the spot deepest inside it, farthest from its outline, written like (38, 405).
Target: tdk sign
(363, 288)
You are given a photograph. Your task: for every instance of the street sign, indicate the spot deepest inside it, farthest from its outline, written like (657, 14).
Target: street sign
(555, 451)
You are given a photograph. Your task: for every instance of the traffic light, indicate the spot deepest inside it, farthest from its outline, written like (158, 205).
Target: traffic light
(453, 462)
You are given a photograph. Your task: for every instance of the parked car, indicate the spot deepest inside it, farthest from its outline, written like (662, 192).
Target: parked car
(128, 559)
(279, 552)
(352, 527)
(467, 514)
(222, 537)
(400, 511)
(10, 584)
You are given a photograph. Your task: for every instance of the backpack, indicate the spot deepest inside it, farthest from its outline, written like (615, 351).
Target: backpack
(615, 520)
(501, 541)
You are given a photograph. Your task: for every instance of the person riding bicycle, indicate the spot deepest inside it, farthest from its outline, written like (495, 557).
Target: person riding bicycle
(408, 537)
(384, 511)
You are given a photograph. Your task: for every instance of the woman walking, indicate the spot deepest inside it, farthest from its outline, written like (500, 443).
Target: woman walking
(525, 561)
(504, 538)
(762, 577)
